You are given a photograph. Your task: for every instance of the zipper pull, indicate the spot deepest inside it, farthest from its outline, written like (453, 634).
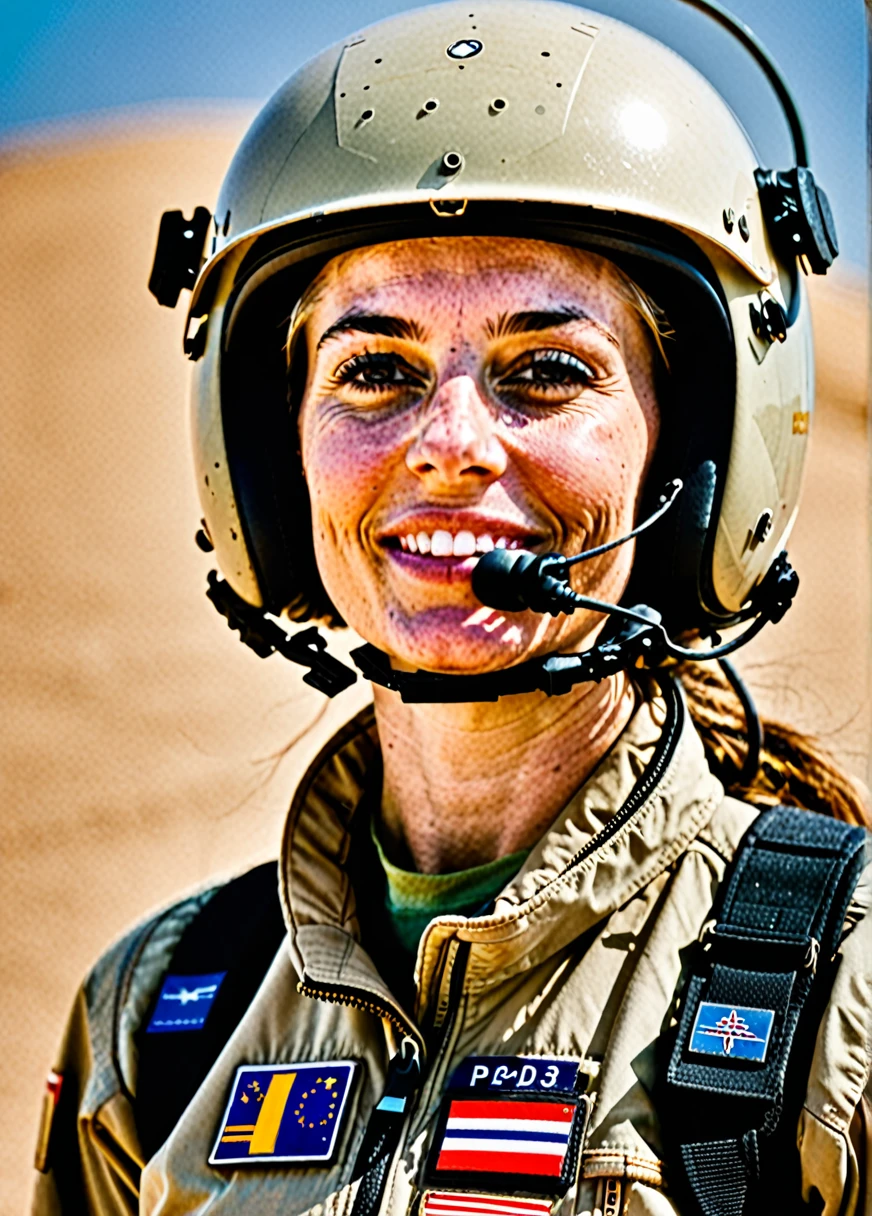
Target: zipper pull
(386, 1122)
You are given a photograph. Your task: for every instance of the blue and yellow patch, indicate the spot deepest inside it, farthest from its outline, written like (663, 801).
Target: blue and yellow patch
(288, 1113)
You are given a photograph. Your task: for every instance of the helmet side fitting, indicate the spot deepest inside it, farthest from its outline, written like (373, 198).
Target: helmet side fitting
(604, 139)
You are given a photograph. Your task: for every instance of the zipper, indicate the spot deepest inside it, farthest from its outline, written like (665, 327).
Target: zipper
(444, 1011)
(394, 1110)
(649, 779)
(355, 1000)
(443, 1024)
(384, 1132)
(391, 1113)
(403, 1085)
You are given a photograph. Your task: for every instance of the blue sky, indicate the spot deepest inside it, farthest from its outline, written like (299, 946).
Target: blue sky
(62, 58)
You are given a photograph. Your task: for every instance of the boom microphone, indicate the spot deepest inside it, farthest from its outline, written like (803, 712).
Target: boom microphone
(513, 579)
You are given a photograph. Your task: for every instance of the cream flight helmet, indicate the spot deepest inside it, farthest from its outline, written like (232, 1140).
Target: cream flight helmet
(527, 118)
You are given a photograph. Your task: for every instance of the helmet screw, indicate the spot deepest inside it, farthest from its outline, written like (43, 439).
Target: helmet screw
(729, 218)
(744, 230)
(452, 162)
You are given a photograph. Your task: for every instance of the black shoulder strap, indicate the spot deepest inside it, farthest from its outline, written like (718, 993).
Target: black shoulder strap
(751, 1007)
(235, 936)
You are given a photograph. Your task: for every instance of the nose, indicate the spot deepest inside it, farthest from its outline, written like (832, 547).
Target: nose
(457, 444)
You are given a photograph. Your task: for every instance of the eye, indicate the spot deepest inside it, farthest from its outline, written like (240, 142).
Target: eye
(378, 371)
(546, 369)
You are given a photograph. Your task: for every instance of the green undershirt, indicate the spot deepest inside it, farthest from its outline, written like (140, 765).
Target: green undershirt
(412, 900)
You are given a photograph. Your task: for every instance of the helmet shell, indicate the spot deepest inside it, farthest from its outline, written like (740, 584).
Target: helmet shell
(446, 115)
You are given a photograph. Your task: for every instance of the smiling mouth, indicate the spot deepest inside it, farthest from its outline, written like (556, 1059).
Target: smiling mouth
(442, 544)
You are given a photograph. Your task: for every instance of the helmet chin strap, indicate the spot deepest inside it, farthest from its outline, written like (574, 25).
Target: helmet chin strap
(514, 581)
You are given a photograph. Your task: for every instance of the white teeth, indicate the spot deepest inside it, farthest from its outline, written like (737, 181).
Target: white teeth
(464, 544)
(442, 544)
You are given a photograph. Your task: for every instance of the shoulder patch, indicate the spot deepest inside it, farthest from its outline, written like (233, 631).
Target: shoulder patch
(284, 1113)
(184, 1002)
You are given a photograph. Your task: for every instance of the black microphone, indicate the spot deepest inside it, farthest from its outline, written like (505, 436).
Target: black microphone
(513, 579)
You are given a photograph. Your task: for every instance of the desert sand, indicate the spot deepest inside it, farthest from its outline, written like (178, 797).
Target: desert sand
(141, 742)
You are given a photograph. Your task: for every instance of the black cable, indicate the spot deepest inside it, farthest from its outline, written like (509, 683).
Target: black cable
(673, 489)
(773, 73)
(670, 648)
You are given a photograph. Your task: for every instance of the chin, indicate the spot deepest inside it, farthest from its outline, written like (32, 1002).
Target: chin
(455, 641)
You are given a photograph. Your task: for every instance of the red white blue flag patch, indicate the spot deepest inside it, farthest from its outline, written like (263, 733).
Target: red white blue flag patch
(500, 1137)
(527, 1143)
(454, 1203)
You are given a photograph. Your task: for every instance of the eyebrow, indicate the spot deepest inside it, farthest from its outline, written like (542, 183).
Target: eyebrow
(373, 323)
(529, 322)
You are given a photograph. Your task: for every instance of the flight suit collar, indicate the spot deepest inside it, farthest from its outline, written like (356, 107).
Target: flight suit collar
(636, 814)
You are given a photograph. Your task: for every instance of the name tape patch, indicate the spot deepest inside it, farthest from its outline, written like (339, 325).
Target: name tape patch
(184, 1002)
(284, 1113)
(515, 1072)
(726, 1030)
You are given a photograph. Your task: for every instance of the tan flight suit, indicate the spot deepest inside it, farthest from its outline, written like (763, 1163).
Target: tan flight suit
(528, 988)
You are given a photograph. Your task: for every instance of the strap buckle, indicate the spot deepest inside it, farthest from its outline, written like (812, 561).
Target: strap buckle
(781, 954)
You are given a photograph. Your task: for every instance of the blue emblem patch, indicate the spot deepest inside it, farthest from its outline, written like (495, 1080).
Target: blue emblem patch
(534, 1073)
(732, 1030)
(184, 1002)
(284, 1113)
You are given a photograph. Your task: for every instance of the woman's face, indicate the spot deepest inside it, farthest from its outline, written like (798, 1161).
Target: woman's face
(464, 393)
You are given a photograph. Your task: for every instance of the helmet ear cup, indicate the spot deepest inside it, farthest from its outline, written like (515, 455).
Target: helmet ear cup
(260, 429)
(691, 534)
(672, 571)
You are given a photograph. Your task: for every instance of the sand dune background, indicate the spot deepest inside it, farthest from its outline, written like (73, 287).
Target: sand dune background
(139, 738)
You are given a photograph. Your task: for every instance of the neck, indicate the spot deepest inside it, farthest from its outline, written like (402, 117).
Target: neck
(466, 784)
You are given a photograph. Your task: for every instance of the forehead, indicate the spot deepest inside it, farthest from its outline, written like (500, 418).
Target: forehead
(493, 272)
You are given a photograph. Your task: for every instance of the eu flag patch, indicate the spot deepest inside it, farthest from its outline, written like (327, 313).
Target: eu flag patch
(725, 1030)
(284, 1113)
(184, 1002)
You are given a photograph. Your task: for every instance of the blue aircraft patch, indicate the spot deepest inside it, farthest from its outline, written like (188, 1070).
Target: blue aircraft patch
(732, 1030)
(284, 1113)
(184, 1002)
(534, 1073)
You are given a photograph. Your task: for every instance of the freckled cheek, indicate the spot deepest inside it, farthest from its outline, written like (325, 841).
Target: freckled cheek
(345, 466)
(582, 467)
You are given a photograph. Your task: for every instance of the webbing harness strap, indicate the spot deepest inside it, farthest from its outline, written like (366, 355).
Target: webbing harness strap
(778, 928)
(238, 932)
